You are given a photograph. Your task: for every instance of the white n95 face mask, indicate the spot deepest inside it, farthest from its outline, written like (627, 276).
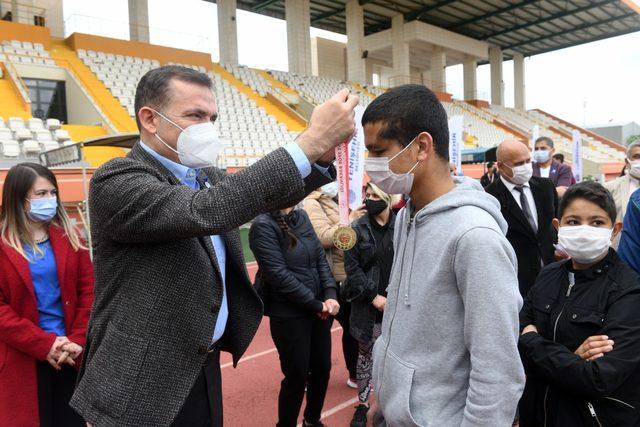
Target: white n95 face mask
(198, 145)
(381, 175)
(522, 174)
(585, 243)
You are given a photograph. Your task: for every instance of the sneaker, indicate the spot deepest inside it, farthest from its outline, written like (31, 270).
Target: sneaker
(307, 424)
(352, 383)
(360, 417)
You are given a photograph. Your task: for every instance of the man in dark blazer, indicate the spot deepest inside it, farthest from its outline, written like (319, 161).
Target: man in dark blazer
(490, 176)
(171, 288)
(528, 204)
(546, 166)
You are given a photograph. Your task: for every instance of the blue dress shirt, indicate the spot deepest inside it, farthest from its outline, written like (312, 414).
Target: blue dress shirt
(44, 275)
(188, 176)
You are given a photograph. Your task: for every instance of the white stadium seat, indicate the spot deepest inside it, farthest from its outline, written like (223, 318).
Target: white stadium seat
(10, 148)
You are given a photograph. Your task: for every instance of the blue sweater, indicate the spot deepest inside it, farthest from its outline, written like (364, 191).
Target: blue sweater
(44, 274)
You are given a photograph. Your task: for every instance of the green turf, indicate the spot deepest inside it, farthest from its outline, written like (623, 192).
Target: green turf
(244, 238)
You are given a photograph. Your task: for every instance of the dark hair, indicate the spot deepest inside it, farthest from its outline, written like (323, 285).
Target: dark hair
(282, 223)
(593, 192)
(489, 165)
(408, 110)
(153, 88)
(559, 157)
(546, 139)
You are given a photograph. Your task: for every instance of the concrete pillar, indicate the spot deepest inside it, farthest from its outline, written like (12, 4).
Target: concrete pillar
(401, 64)
(469, 67)
(22, 12)
(139, 20)
(518, 81)
(356, 67)
(15, 10)
(368, 72)
(227, 32)
(298, 36)
(495, 63)
(438, 64)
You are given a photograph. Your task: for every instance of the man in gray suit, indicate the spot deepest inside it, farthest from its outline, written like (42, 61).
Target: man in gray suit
(171, 288)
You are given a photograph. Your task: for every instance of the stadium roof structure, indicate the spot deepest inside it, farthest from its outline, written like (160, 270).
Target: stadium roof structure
(530, 27)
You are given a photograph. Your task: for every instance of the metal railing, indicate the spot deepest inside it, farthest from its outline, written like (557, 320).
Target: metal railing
(18, 83)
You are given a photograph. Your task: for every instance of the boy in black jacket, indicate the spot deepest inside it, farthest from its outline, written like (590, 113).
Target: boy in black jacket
(580, 341)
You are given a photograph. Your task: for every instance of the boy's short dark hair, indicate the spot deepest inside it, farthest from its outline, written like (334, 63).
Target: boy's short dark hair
(408, 110)
(593, 192)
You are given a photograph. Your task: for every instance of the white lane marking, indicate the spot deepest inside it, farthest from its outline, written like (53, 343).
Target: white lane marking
(335, 409)
(264, 353)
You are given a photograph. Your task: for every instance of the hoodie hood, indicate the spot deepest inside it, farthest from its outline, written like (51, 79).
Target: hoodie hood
(467, 192)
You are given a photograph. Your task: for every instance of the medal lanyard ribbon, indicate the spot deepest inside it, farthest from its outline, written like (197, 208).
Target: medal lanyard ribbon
(342, 169)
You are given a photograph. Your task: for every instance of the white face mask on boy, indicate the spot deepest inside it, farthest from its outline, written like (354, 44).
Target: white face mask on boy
(585, 243)
(388, 181)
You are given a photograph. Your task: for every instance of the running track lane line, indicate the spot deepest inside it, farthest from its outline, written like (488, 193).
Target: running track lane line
(264, 353)
(344, 405)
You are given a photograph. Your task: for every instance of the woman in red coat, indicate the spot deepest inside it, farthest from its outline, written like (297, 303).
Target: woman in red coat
(46, 292)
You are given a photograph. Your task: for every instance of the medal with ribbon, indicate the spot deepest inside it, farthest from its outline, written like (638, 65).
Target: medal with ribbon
(344, 238)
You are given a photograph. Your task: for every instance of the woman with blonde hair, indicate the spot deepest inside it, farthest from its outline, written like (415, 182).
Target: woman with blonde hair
(46, 292)
(368, 267)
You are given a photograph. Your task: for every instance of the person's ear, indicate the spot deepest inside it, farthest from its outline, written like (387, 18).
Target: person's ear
(147, 120)
(617, 228)
(425, 145)
(501, 168)
(556, 223)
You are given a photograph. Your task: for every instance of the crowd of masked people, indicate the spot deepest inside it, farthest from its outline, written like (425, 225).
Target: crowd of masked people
(512, 304)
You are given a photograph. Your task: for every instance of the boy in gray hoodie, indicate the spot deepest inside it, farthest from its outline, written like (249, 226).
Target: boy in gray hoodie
(448, 352)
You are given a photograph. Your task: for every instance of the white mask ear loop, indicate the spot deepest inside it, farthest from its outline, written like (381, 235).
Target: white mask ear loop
(158, 136)
(166, 118)
(402, 151)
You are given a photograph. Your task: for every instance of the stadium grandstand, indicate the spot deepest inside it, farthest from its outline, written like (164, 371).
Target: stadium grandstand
(57, 92)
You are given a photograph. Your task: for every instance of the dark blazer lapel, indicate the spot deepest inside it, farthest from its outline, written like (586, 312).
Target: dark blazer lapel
(553, 172)
(203, 177)
(139, 153)
(22, 267)
(512, 207)
(231, 238)
(538, 199)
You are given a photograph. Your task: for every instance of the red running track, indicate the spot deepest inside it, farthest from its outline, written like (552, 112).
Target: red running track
(250, 391)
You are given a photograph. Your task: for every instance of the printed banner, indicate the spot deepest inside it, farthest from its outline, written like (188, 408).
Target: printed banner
(456, 128)
(577, 155)
(356, 162)
(535, 134)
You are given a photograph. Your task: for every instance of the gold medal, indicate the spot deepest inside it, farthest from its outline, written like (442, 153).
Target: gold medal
(344, 238)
